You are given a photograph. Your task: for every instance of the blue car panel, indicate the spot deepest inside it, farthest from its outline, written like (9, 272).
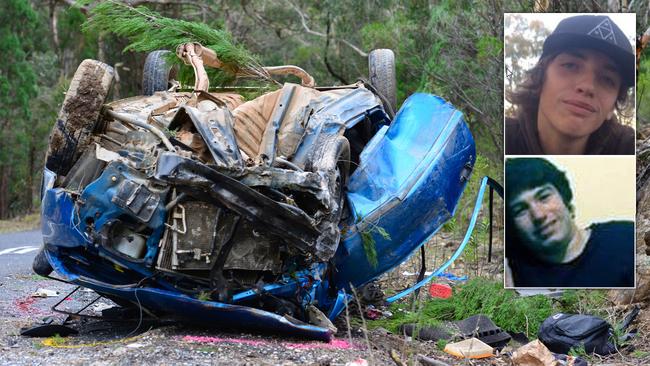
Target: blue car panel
(407, 184)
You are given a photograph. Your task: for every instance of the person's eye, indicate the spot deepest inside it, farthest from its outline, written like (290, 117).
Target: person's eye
(520, 214)
(609, 81)
(570, 66)
(518, 211)
(544, 197)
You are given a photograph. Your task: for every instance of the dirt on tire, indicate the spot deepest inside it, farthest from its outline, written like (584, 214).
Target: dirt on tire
(78, 115)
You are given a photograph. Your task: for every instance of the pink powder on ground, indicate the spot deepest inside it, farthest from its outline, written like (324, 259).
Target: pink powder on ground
(333, 344)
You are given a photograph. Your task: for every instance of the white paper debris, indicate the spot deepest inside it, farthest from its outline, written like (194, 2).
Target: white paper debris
(43, 292)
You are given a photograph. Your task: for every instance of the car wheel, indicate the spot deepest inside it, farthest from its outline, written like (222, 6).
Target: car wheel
(79, 114)
(381, 66)
(332, 157)
(157, 73)
(41, 265)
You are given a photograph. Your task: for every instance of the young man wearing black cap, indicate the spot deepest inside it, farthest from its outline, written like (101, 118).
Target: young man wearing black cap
(567, 103)
(544, 245)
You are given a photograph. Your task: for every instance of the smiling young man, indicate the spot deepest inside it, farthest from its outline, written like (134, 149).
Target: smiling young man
(545, 247)
(568, 103)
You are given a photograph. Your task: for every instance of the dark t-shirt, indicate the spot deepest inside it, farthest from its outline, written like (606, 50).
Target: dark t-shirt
(607, 261)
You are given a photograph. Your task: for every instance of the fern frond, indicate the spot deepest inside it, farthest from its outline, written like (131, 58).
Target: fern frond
(148, 31)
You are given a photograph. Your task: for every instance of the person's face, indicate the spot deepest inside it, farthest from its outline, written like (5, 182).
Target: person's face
(579, 93)
(541, 219)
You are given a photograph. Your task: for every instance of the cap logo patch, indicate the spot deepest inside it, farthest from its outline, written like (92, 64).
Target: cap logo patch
(604, 31)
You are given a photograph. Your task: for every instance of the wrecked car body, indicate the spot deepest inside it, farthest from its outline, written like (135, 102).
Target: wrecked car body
(259, 214)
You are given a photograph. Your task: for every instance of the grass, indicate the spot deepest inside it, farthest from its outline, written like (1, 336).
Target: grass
(640, 354)
(368, 240)
(506, 309)
(54, 341)
(22, 223)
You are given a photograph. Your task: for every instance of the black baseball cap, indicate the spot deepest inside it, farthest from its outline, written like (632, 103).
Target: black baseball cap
(597, 32)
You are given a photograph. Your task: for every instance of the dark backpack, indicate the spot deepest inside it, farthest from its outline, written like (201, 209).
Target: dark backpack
(561, 332)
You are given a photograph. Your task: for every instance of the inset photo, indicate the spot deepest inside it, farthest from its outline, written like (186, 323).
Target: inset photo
(569, 84)
(570, 222)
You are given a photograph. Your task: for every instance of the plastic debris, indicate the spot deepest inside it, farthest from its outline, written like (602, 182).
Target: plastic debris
(483, 328)
(477, 326)
(43, 292)
(440, 290)
(100, 307)
(469, 348)
(373, 313)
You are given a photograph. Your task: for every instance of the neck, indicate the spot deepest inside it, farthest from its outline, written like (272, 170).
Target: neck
(577, 245)
(555, 143)
(569, 249)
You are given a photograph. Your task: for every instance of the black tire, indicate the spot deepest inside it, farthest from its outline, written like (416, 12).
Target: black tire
(41, 265)
(381, 68)
(332, 156)
(79, 114)
(157, 73)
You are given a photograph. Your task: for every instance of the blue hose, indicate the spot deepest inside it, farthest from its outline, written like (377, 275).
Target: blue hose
(468, 234)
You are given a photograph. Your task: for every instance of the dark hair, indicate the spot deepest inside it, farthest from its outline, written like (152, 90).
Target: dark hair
(524, 174)
(527, 173)
(525, 98)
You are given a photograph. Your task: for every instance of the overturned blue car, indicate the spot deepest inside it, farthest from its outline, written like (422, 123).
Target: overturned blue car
(262, 214)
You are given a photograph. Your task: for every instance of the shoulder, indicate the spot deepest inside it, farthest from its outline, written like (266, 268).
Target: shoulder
(620, 233)
(613, 226)
(611, 246)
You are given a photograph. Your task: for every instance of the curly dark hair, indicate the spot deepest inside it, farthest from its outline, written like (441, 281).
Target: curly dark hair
(525, 98)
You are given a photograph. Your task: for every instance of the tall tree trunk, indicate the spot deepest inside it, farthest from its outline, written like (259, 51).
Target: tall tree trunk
(4, 191)
(29, 192)
(101, 48)
(54, 29)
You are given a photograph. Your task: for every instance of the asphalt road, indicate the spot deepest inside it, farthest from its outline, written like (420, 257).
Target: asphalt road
(17, 251)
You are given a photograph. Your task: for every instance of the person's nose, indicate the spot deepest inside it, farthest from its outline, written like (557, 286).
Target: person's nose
(537, 212)
(586, 83)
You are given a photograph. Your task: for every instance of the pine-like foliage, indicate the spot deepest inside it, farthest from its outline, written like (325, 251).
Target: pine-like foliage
(148, 31)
